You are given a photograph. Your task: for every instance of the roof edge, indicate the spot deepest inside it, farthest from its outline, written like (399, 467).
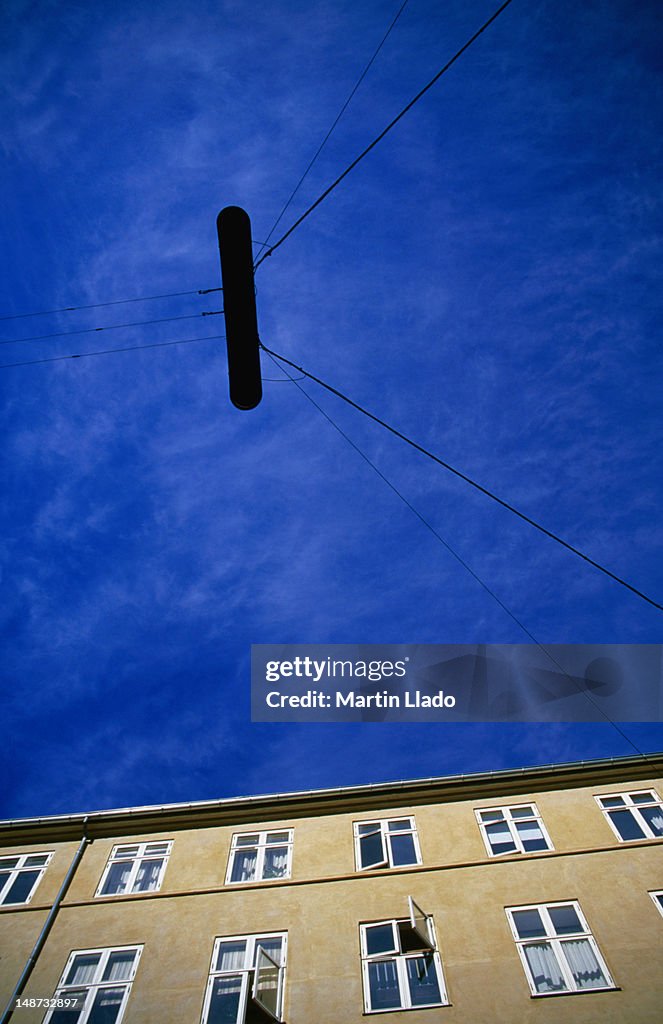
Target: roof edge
(227, 809)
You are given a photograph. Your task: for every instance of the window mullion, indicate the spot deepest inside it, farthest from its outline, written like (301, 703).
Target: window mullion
(401, 973)
(386, 845)
(566, 971)
(644, 824)
(260, 858)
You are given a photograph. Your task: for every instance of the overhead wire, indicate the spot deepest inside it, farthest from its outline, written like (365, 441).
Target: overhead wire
(466, 478)
(113, 302)
(111, 351)
(382, 134)
(110, 327)
(333, 126)
(455, 554)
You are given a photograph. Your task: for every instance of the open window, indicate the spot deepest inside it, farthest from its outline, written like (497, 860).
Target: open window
(246, 982)
(401, 964)
(513, 829)
(386, 843)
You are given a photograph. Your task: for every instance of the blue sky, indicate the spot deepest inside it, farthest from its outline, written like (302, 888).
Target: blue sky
(487, 280)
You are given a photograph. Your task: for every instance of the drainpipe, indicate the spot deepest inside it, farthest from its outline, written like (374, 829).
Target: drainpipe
(48, 924)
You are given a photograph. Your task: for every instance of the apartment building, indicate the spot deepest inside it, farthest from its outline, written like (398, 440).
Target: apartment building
(530, 895)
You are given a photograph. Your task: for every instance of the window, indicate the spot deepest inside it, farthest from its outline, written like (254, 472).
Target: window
(634, 815)
(391, 843)
(246, 980)
(401, 966)
(658, 900)
(135, 868)
(20, 876)
(513, 830)
(100, 981)
(260, 856)
(557, 949)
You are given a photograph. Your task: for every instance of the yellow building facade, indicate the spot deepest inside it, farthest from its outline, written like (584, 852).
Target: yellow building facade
(531, 895)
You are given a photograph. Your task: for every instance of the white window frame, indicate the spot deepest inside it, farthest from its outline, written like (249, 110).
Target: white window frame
(260, 846)
(92, 987)
(144, 851)
(507, 816)
(396, 955)
(18, 869)
(381, 827)
(629, 805)
(657, 897)
(556, 942)
(249, 974)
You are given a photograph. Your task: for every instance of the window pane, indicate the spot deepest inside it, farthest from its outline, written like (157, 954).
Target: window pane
(276, 862)
(147, 879)
(583, 963)
(117, 878)
(612, 801)
(8, 862)
(365, 830)
(126, 851)
(224, 1004)
(654, 818)
(83, 969)
(244, 866)
(278, 837)
(37, 860)
(565, 920)
(4, 876)
(499, 838)
(383, 985)
(522, 812)
(380, 939)
(119, 965)
(544, 968)
(402, 849)
(492, 816)
(246, 840)
(155, 848)
(231, 956)
(67, 1016)
(272, 946)
(422, 980)
(371, 850)
(643, 798)
(106, 1006)
(626, 825)
(531, 836)
(21, 887)
(267, 983)
(528, 923)
(399, 826)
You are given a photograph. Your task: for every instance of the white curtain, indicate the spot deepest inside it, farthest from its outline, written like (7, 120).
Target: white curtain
(232, 956)
(276, 862)
(244, 866)
(583, 963)
(83, 969)
(147, 878)
(654, 815)
(546, 974)
(119, 966)
(117, 878)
